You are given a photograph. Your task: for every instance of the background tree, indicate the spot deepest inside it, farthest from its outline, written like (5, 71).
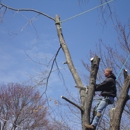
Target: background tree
(21, 107)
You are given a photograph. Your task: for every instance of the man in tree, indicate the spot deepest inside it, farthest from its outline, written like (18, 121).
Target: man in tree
(108, 91)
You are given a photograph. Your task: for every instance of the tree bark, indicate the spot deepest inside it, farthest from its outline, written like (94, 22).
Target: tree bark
(116, 113)
(91, 89)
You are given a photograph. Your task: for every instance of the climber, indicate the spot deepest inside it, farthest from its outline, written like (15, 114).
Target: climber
(108, 91)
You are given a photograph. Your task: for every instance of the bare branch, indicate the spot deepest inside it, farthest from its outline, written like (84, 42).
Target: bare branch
(51, 70)
(61, 75)
(31, 22)
(81, 109)
(33, 59)
(31, 10)
(2, 14)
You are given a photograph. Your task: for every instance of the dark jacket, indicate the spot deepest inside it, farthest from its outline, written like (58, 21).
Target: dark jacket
(108, 86)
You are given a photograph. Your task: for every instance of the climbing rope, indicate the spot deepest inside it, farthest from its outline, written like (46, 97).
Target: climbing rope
(123, 66)
(86, 11)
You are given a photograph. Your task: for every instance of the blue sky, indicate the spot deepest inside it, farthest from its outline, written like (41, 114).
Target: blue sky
(81, 33)
(19, 39)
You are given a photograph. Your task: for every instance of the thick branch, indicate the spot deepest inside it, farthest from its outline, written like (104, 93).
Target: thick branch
(117, 113)
(72, 103)
(32, 10)
(91, 89)
(68, 59)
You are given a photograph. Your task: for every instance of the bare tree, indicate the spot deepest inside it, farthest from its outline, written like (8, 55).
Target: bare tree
(22, 108)
(85, 92)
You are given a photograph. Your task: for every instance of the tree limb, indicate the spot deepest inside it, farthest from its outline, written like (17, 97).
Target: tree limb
(91, 89)
(81, 109)
(32, 10)
(51, 70)
(116, 114)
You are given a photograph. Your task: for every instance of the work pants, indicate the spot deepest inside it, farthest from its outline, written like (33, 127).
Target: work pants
(102, 105)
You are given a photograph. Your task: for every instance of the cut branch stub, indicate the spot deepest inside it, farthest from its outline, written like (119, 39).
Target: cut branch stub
(73, 103)
(125, 73)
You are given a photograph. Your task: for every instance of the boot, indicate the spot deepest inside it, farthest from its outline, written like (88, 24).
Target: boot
(91, 127)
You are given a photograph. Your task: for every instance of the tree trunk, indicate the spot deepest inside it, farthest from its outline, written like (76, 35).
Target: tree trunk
(86, 101)
(116, 113)
(91, 89)
(70, 64)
